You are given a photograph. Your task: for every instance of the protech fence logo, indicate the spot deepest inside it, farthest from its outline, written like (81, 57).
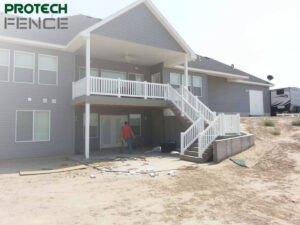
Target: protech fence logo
(48, 23)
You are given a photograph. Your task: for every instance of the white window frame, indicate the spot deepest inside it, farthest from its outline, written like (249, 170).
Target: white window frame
(200, 86)
(83, 67)
(8, 66)
(54, 56)
(114, 71)
(33, 72)
(33, 114)
(179, 76)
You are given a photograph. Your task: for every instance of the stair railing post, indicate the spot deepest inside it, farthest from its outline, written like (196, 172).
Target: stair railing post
(145, 90)
(181, 144)
(182, 102)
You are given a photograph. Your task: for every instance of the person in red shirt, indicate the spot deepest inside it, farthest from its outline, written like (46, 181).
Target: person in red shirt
(126, 135)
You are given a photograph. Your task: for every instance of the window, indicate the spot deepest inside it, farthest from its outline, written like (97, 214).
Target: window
(197, 86)
(113, 74)
(135, 123)
(175, 79)
(280, 92)
(94, 72)
(32, 126)
(93, 125)
(136, 77)
(24, 63)
(4, 64)
(183, 80)
(48, 69)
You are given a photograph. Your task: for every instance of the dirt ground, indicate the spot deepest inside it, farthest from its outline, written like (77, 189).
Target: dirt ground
(266, 193)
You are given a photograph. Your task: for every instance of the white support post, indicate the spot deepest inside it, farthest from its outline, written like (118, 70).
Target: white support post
(119, 88)
(181, 144)
(87, 105)
(88, 64)
(186, 71)
(182, 102)
(146, 90)
(87, 131)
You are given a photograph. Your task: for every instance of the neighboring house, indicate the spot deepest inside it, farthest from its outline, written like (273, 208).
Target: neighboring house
(129, 60)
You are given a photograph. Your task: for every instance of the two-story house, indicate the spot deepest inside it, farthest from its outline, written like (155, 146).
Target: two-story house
(70, 91)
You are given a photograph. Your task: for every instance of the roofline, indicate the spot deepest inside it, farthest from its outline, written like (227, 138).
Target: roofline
(213, 73)
(156, 13)
(32, 43)
(251, 83)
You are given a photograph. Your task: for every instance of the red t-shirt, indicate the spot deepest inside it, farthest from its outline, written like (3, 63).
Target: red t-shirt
(126, 131)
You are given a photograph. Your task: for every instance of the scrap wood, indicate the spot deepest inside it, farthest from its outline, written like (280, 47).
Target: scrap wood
(38, 172)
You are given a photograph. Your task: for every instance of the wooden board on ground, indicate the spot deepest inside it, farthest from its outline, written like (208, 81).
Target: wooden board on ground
(37, 172)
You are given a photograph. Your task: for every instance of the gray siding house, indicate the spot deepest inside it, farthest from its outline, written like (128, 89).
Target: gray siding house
(70, 91)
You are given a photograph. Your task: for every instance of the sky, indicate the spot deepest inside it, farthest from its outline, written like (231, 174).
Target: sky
(260, 37)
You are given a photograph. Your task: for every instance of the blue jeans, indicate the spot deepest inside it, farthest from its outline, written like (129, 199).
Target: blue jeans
(128, 141)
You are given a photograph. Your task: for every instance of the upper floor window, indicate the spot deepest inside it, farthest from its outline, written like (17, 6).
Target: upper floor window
(175, 79)
(4, 64)
(48, 66)
(94, 72)
(197, 85)
(24, 63)
(183, 80)
(113, 74)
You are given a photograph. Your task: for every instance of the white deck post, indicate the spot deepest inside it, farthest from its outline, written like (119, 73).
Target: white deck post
(87, 105)
(186, 71)
(145, 90)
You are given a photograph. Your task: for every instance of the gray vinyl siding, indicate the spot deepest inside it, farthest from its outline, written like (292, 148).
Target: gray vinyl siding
(233, 97)
(151, 126)
(139, 26)
(14, 96)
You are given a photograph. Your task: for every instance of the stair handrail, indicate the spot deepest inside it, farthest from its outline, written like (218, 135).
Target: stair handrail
(209, 135)
(183, 105)
(207, 113)
(188, 137)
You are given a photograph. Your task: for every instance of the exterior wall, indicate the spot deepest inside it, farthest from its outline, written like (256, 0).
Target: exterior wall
(140, 26)
(14, 96)
(204, 97)
(151, 128)
(233, 97)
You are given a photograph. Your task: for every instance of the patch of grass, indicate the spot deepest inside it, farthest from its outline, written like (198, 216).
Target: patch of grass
(275, 132)
(269, 123)
(296, 123)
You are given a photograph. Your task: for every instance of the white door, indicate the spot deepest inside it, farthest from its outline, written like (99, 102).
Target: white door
(110, 130)
(256, 103)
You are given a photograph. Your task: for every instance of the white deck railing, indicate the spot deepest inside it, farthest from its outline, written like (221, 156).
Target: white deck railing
(207, 114)
(79, 88)
(127, 88)
(191, 135)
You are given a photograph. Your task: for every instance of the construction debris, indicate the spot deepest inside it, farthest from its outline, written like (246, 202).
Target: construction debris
(38, 172)
(92, 176)
(172, 173)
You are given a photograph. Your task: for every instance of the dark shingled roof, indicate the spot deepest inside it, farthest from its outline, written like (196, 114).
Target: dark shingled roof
(207, 63)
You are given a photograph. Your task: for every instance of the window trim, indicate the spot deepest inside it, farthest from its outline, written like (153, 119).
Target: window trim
(8, 66)
(114, 71)
(56, 82)
(197, 87)
(33, 69)
(33, 114)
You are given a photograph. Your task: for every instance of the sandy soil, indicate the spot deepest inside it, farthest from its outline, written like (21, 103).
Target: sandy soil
(266, 193)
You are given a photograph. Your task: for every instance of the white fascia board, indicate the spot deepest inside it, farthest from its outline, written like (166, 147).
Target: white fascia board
(251, 83)
(214, 73)
(32, 43)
